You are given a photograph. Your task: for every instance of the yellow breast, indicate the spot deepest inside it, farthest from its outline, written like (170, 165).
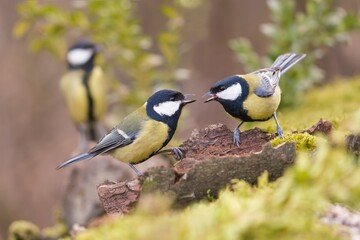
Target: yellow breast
(75, 94)
(98, 91)
(150, 141)
(260, 108)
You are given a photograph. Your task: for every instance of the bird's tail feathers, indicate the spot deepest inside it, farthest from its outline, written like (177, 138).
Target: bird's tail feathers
(83, 156)
(285, 61)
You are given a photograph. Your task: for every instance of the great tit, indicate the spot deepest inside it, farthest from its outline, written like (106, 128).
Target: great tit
(84, 90)
(143, 133)
(254, 96)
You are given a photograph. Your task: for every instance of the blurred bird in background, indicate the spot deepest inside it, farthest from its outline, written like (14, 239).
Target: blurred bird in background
(143, 133)
(255, 96)
(84, 89)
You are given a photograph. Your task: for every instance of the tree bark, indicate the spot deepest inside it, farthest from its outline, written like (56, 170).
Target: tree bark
(212, 161)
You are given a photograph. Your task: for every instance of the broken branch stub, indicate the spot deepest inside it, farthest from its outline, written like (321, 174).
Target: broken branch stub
(119, 197)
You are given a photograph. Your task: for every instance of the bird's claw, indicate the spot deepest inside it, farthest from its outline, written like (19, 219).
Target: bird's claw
(237, 136)
(178, 153)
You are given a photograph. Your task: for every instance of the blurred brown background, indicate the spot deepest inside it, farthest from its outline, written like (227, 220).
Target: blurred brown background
(36, 133)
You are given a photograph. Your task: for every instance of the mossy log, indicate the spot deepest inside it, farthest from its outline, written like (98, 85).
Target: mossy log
(212, 161)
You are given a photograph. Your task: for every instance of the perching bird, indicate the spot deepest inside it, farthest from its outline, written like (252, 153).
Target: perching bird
(84, 89)
(254, 96)
(143, 133)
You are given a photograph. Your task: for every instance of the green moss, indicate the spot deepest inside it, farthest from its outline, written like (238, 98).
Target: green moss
(286, 209)
(54, 232)
(210, 196)
(23, 230)
(149, 184)
(304, 141)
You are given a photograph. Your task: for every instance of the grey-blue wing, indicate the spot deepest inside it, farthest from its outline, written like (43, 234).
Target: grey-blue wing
(269, 79)
(123, 134)
(112, 140)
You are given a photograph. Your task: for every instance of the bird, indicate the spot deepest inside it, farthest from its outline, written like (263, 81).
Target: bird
(84, 90)
(143, 133)
(255, 96)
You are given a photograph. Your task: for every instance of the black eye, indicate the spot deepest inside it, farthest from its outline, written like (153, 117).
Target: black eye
(222, 88)
(172, 99)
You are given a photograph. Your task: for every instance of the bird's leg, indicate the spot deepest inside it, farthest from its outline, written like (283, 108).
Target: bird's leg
(178, 153)
(138, 172)
(237, 134)
(83, 140)
(278, 128)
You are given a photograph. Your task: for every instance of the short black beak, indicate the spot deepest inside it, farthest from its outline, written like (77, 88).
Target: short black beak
(187, 101)
(211, 98)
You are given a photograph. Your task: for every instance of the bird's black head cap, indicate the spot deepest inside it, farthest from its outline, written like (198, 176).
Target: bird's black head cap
(81, 55)
(231, 92)
(232, 88)
(166, 106)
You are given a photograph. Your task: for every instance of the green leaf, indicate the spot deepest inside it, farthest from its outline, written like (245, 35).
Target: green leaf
(21, 28)
(269, 30)
(79, 19)
(169, 11)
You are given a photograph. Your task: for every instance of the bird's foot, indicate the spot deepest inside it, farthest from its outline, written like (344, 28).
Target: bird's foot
(177, 152)
(280, 132)
(237, 136)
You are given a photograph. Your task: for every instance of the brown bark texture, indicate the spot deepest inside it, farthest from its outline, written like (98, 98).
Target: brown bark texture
(212, 160)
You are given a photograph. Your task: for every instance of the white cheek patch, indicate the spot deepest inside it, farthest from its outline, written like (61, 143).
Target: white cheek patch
(231, 93)
(168, 108)
(79, 56)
